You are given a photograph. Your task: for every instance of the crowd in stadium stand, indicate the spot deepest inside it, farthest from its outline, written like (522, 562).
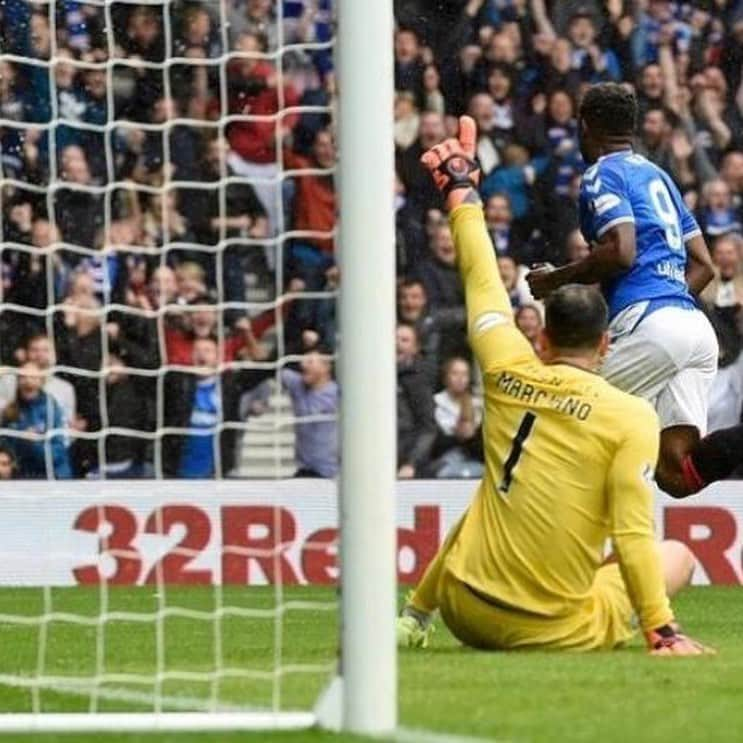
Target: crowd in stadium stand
(148, 247)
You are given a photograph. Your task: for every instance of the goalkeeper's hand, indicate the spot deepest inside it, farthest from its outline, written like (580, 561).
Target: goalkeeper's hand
(669, 640)
(453, 167)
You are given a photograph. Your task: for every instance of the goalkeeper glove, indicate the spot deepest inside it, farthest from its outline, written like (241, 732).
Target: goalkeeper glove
(453, 167)
(669, 640)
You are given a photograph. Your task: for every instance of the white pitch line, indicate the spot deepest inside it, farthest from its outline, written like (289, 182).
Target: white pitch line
(417, 735)
(189, 704)
(401, 735)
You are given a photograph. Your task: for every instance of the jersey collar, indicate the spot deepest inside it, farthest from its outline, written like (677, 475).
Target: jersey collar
(628, 151)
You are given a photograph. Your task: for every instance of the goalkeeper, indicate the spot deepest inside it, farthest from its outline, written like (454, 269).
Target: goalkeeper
(569, 462)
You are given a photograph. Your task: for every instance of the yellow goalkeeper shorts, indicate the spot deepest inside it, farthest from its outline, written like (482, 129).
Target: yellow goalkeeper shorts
(605, 621)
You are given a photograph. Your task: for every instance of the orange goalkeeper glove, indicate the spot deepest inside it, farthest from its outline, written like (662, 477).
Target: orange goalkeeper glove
(453, 167)
(669, 640)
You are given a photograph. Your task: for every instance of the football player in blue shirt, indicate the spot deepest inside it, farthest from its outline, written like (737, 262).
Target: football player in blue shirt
(651, 259)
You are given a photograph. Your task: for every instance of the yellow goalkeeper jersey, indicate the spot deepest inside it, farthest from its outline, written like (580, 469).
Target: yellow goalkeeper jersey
(569, 462)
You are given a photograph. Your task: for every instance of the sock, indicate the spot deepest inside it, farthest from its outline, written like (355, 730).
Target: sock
(715, 457)
(692, 479)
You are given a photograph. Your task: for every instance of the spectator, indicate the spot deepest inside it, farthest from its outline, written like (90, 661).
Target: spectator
(311, 322)
(482, 110)
(190, 282)
(184, 143)
(8, 464)
(514, 279)
(421, 190)
(593, 63)
(315, 397)
(656, 136)
(409, 67)
(438, 273)
(726, 391)
(726, 289)
(164, 222)
(518, 67)
(518, 239)
(441, 332)
(416, 427)
(199, 402)
(561, 135)
(254, 17)
(457, 450)
(124, 453)
(197, 32)
(33, 415)
(38, 350)
(407, 120)
(718, 217)
(79, 345)
(314, 210)
(79, 212)
(515, 177)
(25, 275)
(529, 322)
(732, 173)
(244, 215)
(650, 89)
(433, 98)
(202, 322)
(557, 71)
(253, 146)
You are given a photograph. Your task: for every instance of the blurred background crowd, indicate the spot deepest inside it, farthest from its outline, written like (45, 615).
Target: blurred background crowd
(167, 225)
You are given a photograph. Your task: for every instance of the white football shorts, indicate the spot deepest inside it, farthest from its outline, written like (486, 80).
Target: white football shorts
(668, 358)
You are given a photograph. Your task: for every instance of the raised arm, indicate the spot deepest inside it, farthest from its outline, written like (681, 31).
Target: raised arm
(492, 332)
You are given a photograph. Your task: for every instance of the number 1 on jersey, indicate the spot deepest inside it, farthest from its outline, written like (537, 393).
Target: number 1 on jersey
(527, 423)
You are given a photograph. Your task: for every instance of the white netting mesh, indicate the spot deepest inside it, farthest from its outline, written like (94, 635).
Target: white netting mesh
(134, 228)
(111, 208)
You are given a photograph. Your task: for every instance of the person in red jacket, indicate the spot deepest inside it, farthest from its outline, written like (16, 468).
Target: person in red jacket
(254, 91)
(240, 343)
(314, 211)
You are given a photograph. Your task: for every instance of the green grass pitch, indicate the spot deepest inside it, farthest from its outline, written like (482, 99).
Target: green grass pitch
(620, 696)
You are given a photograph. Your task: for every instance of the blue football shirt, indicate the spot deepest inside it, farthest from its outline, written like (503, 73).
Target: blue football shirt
(626, 187)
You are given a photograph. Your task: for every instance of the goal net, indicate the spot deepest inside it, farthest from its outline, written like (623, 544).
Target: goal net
(168, 337)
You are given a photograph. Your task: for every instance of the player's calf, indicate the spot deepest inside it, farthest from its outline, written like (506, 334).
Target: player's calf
(687, 464)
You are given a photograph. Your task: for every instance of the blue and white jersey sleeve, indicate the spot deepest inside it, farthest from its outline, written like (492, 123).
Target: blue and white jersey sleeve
(605, 202)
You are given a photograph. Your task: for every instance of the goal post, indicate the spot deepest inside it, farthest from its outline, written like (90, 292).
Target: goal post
(368, 413)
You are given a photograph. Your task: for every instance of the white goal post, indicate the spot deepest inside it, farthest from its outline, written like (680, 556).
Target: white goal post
(368, 412)
(363, 699)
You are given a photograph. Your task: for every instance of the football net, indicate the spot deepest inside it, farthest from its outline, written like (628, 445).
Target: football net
(148, 200)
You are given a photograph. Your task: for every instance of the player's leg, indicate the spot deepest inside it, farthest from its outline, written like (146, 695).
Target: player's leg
(688, 462)
(678, 563)
(676, 444)
(612, 612)
(414, 622)
(425, 596)
(671, 360)
(715, 457)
